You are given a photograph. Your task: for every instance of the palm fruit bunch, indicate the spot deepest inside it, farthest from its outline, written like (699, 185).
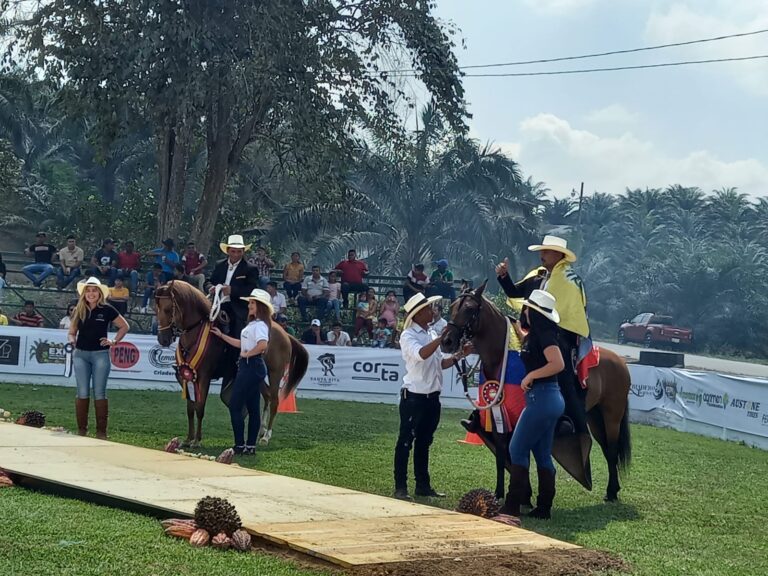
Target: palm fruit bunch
(173, 445)
(216, 515)
(480, 502)
(32, 418)
(5, 480)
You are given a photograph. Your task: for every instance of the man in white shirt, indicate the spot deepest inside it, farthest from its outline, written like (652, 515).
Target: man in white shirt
(419, 396)
(314, 291)
(337, 337)
(438, 323)
(278, 300)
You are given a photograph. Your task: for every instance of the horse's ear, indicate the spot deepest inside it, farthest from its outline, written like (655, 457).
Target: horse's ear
(481, 288)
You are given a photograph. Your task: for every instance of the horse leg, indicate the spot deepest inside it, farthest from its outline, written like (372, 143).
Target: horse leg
(190, 424)
(501, 460)
(606, 433)
(200, 411)
(264, 413)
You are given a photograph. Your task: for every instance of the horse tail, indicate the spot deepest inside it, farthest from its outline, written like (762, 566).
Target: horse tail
(624, 444)
(297, 367)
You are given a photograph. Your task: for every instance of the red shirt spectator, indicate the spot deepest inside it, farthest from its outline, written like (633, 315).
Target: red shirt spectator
(352, 270)
(193, 261)
(128, 259)
(28, 316)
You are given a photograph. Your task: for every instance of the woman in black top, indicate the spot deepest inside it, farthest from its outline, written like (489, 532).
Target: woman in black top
(88, 334)
(535, 430)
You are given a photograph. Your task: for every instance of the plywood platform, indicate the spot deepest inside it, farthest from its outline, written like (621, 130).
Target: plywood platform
(336, 524)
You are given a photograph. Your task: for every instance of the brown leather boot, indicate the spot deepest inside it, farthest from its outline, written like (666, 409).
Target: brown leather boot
(102, 415)
(517, 492)
(81, 413)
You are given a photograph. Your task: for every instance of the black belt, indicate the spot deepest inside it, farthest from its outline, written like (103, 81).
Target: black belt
(405, 393)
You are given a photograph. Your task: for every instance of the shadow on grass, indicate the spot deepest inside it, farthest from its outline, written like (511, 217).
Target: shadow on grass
(569, 524)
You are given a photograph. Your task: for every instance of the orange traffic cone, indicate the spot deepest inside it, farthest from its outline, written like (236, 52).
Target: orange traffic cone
(288, 405)
(472, 439)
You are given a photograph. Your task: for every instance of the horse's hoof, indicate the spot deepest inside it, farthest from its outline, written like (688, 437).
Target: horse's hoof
(186, 443)
(196, 444)
(263, 441)
(611, 498)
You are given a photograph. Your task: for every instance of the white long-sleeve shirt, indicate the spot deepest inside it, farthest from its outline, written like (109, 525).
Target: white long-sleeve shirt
(422, 376)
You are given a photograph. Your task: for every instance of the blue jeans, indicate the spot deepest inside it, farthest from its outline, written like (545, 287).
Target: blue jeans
(110, 274)
(334, 305)
(66, 279)
(292, 289)
(133, 279)
(246, 391)
(3, 284)
(442, 289)
(535, 431)
(92, 367)
(44, 270)
(320, 304)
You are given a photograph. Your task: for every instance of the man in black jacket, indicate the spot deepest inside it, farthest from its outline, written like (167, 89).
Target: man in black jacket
(237, 279)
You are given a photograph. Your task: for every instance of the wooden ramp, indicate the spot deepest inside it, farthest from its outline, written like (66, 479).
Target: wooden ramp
(342, 526)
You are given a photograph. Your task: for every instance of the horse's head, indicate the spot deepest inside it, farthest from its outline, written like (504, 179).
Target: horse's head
(465, 319)
(180, 307)
(166, 309)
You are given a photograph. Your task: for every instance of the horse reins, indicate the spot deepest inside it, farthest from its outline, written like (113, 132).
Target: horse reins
(177, 331)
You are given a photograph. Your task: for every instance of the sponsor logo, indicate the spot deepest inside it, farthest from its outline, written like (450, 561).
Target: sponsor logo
(765, 419)
(751, 407)
(162, 358)
(715, 400)
(124, 355)
(45, 352)
(666, 388)
(376, 371)
(9, 350)
(690, 397)
(642, 390)
(328, 363)
(658, 390)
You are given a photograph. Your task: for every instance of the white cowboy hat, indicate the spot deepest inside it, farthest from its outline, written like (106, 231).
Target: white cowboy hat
(261, 296)
(234, 241)
(543, 302)
(93, 281)
(556, 244)
(416, 303)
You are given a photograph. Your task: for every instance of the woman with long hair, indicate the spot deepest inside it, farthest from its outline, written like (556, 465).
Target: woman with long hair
(251, 370)
(544, 404)
(88, 329)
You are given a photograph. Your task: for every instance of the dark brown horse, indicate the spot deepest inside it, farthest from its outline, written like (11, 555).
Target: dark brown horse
(607, 402)
(183, 311)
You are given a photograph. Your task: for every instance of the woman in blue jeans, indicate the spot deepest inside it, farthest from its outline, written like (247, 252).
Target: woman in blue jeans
(91, 321)
(535, 430)
(251, 370)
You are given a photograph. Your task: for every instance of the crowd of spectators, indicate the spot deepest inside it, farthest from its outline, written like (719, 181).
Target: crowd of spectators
(131, 274)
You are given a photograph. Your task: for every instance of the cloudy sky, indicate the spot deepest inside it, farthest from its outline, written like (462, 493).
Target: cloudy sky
(702, 125)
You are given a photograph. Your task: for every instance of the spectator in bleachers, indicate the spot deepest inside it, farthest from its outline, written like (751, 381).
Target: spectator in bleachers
(363, 315)
(119, 296)
(129, 265)
(3, 283)
(278, 299)
(66, 320)
(28, 317)
(104, 262)
(179, 274)
(314, 334)
(314, 292)
(337, 336)
(43, 254)
(381, 335)
(282, 319)
(3, 318)
(438, 323)
(415, 282)
(353, 271)
(71, 259)
(389, 309)
(154, 279)
(263, 264)
(334, 295)
(167, 257)
(293, 276)
(441, 281)
(194, 264)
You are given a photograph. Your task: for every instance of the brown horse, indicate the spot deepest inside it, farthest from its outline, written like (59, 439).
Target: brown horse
(183, 311)
(475, 317)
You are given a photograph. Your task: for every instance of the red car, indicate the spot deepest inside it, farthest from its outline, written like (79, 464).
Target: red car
(654, 329)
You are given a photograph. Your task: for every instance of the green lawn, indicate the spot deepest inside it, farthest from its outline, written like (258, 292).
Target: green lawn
(691, 505)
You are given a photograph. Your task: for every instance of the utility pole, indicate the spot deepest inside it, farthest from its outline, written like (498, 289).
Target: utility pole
(581, 199)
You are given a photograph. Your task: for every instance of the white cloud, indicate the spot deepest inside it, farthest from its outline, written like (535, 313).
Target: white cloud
(559, 6)
(614, 115)
(687, 20)
(554, 151)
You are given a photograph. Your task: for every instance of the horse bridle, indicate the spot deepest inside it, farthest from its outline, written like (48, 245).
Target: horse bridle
(177, 331)
(468, 330)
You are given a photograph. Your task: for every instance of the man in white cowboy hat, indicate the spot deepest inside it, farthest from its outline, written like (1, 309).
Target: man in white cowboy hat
(419, 396)
(556, 276)
(237, 279)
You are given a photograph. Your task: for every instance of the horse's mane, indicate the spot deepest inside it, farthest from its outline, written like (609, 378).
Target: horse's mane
(188, 298)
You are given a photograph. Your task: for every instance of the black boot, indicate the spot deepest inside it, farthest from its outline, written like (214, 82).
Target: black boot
(546, 495)
(516, 495)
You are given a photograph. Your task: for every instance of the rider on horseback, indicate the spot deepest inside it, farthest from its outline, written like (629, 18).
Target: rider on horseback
(557, 277)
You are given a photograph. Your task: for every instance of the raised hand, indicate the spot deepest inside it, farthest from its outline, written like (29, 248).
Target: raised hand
(502, 268)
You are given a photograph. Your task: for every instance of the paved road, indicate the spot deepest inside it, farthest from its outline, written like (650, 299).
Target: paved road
(702, 362)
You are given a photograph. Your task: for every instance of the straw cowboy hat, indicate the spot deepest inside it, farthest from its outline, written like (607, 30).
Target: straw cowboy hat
(543, 302)
(556, 244)
(416, 303)
(260, 296)
(93, 281)
(234, 241)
